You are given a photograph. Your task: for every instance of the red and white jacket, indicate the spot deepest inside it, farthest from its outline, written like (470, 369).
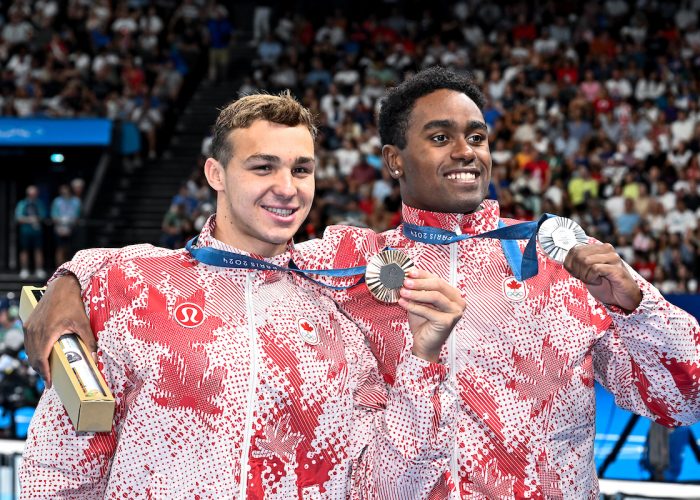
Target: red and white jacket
(525, 356)
(236, 383)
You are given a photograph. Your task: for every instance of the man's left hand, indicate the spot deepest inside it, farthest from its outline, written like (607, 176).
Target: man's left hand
(434, 308)
(605, 275)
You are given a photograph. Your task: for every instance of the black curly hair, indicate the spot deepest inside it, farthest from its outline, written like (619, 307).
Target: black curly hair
(399, 101)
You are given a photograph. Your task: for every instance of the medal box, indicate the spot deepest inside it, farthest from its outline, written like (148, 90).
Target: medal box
(75, 376)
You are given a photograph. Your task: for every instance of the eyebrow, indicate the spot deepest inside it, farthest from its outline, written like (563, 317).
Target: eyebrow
(471, 125)
(277, 159)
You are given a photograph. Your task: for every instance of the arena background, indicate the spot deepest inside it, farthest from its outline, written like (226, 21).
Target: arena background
(592, 111)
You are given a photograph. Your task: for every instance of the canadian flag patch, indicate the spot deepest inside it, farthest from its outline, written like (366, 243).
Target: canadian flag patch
(308, 333)
(514, 290)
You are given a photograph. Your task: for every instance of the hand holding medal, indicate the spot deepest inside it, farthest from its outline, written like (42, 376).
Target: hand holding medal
(558, 235)
(433, 306)
(597, 265)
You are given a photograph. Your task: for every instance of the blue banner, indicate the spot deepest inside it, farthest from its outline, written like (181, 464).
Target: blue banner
(55, 132)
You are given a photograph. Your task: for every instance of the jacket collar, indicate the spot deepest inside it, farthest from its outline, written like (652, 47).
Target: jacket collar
(206, 239)
(485, 219)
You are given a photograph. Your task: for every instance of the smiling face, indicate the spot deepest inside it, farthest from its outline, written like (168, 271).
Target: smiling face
(446, 164)
(266, 190)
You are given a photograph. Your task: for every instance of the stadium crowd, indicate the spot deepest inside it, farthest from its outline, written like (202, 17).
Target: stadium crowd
(592, 113)
(128, 61)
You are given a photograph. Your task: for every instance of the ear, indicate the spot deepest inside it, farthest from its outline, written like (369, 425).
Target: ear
(215, 174)
(392, 160)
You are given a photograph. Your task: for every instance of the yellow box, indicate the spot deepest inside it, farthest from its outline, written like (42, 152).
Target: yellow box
(78, 382)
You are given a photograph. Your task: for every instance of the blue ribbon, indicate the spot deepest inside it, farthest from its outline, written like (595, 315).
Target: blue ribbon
(222, 258)
(523, 265)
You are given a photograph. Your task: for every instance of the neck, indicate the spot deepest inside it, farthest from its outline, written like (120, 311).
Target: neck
(250, 245)
(467, 212)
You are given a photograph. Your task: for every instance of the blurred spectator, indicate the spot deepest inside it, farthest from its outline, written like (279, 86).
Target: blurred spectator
(147, 118)
(261, 21)
(628, 220)
(362, 174)
(11, 333)
(219, 31)
(175, 227)
(582, 187)
(30, 213)
(680, 219)
(186, 199)
(18, 30)
(65, 212)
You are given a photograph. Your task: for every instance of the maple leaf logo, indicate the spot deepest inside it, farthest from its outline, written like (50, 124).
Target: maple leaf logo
(278, 441)
(491, 483)
(549, 478)
(182, 383)
(185, 388)
(514, 290)
(308, 333)
(544, 377)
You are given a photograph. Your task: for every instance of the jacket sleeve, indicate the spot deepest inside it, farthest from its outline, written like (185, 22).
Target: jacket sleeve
(59, 462)
(650, 359)
(86, 263)
(403, 434)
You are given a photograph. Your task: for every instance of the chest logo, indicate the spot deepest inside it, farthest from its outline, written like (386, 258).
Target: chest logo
(189, 315)
(514, 290)
(308, 333)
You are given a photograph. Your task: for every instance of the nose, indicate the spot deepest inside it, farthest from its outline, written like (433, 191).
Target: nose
(462, 150)
(285, 185)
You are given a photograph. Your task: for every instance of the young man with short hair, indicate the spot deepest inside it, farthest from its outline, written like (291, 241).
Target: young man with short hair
(245, 382)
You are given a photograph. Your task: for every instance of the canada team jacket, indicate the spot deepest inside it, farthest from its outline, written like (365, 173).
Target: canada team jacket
(236, 383)
(525, 356)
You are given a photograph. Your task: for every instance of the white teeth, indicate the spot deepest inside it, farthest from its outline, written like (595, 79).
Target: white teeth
(462, 176)
(284, 212)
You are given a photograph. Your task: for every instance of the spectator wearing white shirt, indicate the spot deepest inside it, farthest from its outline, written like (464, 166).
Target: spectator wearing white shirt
(649, 87)
(545, 45)
(679, 157)
(619, 87)
(148, 118)
(496, 86)
(331, 32)
(333, 104)
(348, 156)
(680, 219)
(18, 30)
(560, 31)
(682, 128)
(21, 65)
(125, 22)
(656, 218)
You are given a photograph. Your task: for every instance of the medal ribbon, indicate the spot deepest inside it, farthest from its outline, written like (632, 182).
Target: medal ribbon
(523, 265)
(232, 260)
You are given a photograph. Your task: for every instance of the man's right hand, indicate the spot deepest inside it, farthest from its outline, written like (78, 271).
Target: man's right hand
(59, 311)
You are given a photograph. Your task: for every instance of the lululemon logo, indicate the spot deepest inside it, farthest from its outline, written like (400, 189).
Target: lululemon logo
(189, 315)
(514, 290)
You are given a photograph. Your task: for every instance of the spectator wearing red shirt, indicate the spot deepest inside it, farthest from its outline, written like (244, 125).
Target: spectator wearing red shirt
(362, 173)
(567, 73)
(525, 30)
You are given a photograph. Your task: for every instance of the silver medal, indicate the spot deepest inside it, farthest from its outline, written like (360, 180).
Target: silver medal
(558, 235)
(385, 274)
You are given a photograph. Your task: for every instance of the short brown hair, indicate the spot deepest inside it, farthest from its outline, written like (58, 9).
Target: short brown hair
(282, 109)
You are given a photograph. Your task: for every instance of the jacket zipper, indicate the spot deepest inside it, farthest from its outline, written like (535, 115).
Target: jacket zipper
(451, 352)
(248, 423)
